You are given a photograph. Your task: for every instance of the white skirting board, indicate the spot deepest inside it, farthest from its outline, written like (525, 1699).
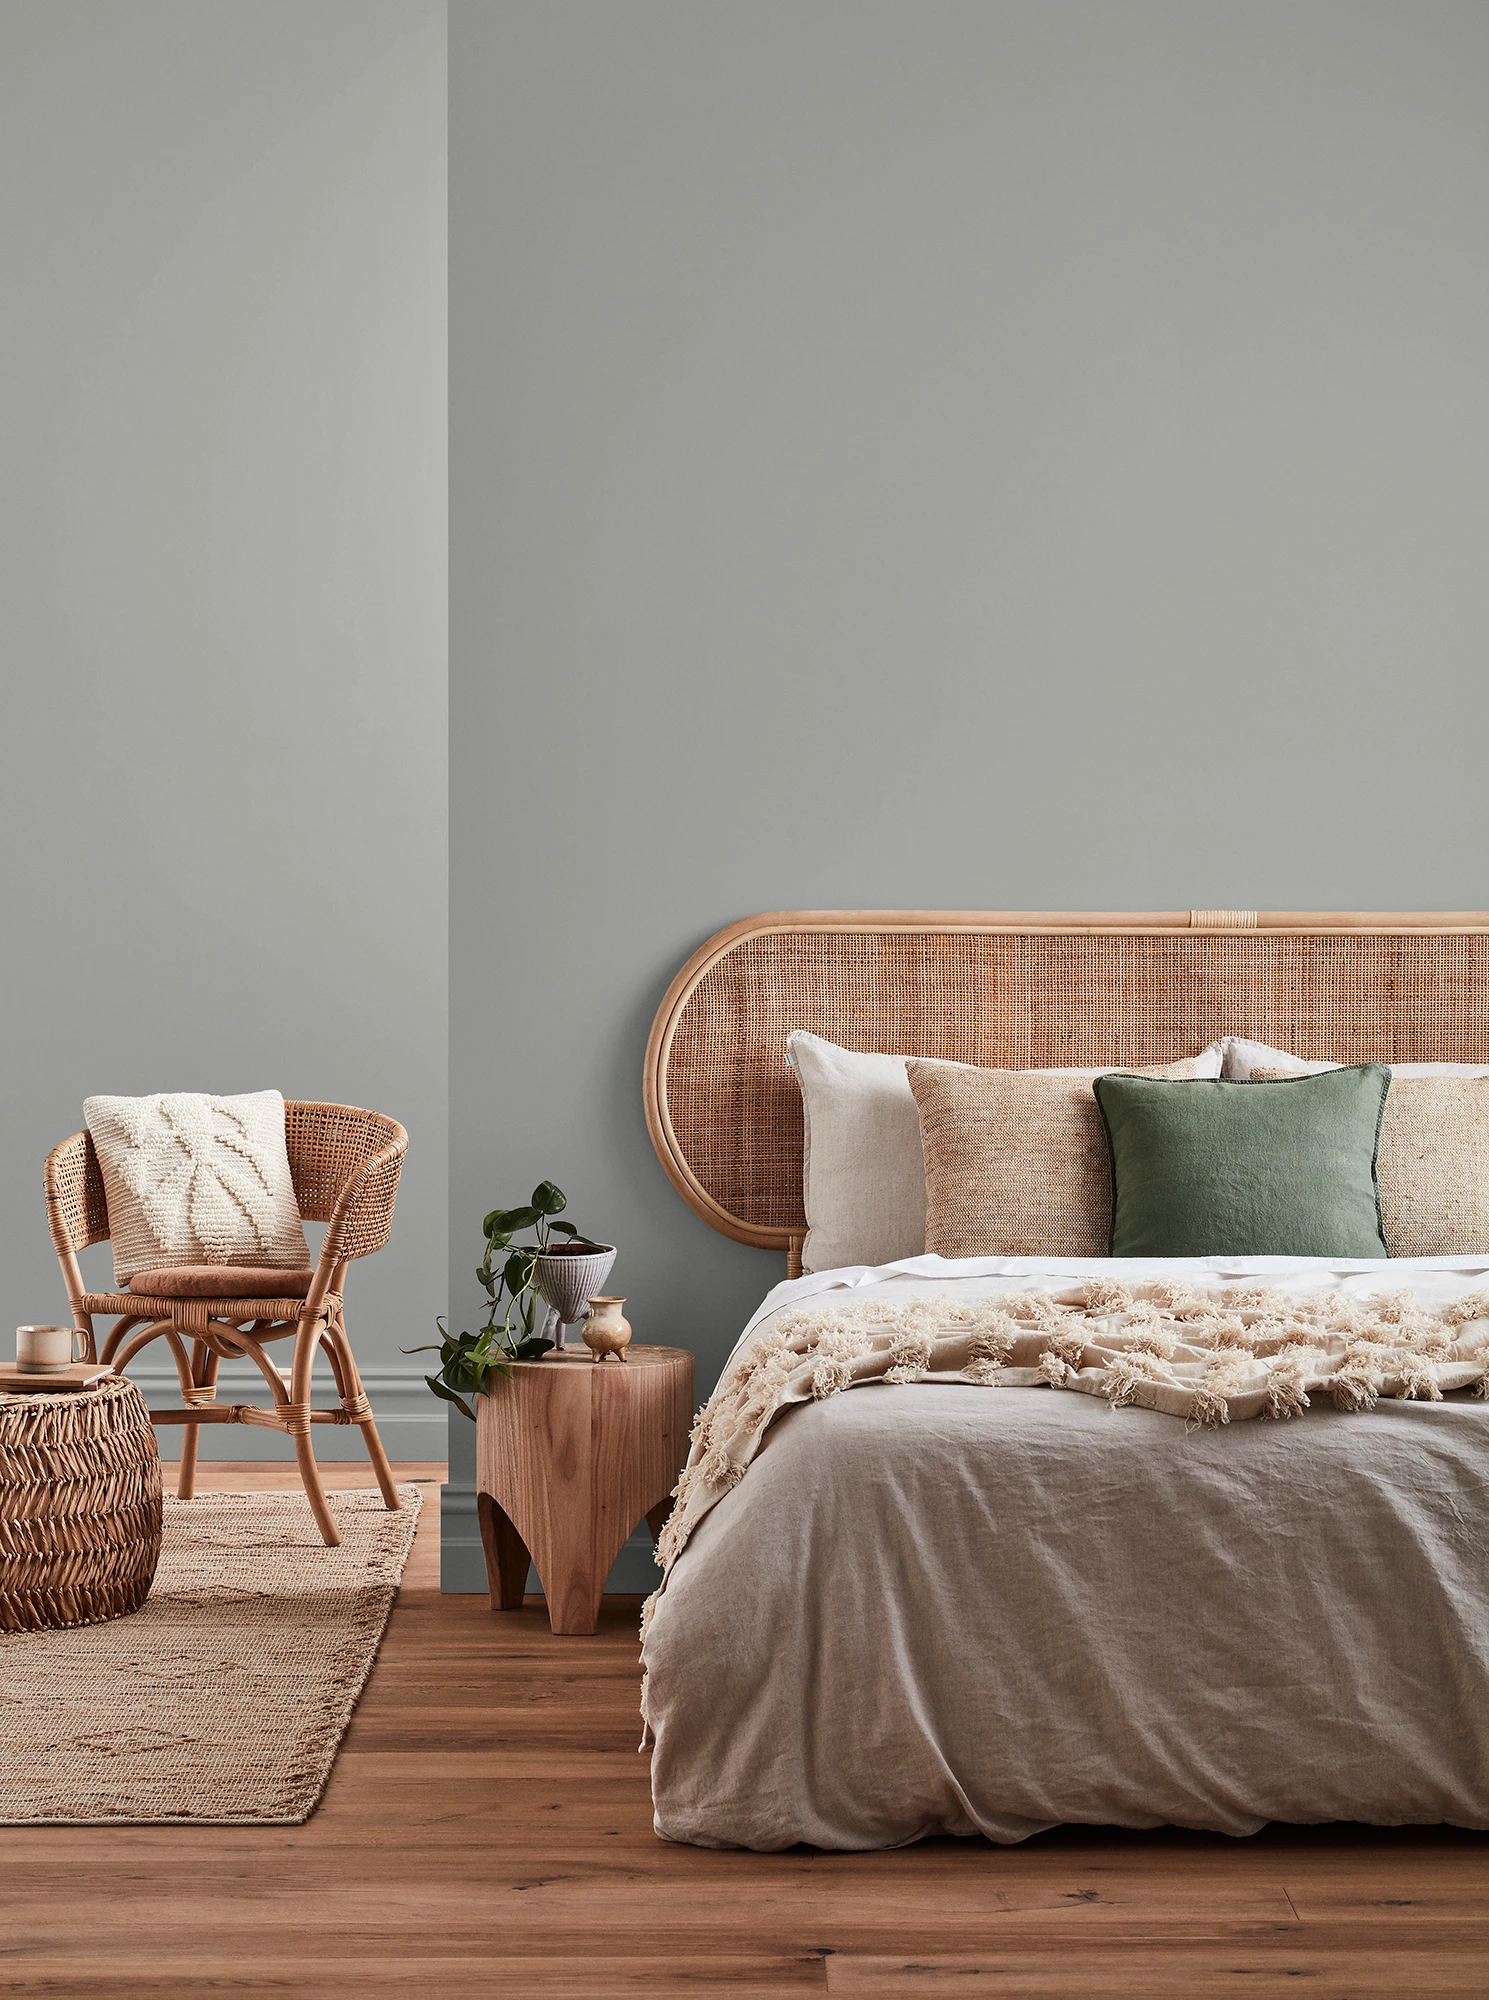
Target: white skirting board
(462, 1567)
(410, 1421)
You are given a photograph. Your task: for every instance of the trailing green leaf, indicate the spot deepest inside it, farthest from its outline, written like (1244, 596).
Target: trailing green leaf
(517, 1272)
(449, 1395)
(529, 1350)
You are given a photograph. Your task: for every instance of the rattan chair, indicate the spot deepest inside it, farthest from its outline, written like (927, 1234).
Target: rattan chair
(345, 1165)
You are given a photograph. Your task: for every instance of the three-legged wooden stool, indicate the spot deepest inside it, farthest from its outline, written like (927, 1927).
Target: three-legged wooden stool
(571, 1454)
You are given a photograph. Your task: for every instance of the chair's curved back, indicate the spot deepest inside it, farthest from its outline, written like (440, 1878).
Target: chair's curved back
(77, 1211)
(345, 1165)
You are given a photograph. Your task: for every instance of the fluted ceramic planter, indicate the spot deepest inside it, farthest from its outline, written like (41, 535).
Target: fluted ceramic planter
(607, 1330)
(566, 1278)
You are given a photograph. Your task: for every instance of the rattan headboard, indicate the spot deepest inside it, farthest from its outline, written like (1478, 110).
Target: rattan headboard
(1021, 991)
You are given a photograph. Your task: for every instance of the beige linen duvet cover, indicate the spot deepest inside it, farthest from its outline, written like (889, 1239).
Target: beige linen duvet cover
(938, 1607)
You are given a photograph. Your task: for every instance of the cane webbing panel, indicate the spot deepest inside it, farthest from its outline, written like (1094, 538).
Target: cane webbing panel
(725, 1106)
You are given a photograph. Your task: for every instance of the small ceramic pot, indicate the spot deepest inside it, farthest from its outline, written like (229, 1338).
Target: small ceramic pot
(565, 1277)
(607, 1330)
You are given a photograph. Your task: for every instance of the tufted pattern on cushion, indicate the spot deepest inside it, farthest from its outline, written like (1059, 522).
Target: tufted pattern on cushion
(193, 1179)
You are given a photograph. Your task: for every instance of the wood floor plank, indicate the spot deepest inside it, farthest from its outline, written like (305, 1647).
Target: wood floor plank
(488, 1825)
(472, 1977)
(1405, 1896)
(1171, 1970)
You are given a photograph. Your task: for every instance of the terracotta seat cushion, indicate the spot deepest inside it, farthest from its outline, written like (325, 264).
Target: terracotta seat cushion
(220, 1281)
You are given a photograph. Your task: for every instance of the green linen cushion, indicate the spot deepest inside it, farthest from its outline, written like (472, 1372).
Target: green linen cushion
(1221, 1169)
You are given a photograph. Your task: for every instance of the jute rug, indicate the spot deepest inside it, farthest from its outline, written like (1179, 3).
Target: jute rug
(225, 1698)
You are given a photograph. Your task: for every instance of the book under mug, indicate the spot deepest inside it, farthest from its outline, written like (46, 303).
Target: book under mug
(15, 1380)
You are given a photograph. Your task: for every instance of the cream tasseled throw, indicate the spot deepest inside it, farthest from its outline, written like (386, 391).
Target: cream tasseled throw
(1243, 1351)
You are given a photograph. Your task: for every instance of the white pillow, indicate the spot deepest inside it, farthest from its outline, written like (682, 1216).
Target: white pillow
(193, 1179)
(863, 1170)
(1241, 1057)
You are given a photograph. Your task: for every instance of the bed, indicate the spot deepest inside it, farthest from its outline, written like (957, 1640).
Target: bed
(925, 1608)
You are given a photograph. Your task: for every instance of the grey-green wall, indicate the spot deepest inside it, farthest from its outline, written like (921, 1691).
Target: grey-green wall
(930, 454)
(222, 597)
(903, 454)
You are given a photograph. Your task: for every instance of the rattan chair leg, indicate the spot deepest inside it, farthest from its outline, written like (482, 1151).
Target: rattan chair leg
(315, 1493)
(204, 1364)
(349, 1383)
(380, 1465)
(190, 1437)
(307, 1339)
(186, 1477)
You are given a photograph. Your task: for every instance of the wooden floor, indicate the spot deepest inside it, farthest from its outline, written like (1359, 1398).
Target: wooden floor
(488, 1831)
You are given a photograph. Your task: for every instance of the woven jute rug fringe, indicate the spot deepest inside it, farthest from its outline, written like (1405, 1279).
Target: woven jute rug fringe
(224, 1699)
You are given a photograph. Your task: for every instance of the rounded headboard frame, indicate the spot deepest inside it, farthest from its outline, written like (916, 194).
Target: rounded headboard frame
(724, 1115)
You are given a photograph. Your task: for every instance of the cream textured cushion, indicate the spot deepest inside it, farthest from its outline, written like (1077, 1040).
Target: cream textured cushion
(1241, 1059)
(1432, 1163)
(1016, 1161)
(193, 1179)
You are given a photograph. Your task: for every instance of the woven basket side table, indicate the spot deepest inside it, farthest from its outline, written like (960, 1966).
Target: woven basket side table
(80, 1511)
(571, 1453)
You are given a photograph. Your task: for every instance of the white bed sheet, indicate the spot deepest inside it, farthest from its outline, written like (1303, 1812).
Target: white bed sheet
(934, 1608)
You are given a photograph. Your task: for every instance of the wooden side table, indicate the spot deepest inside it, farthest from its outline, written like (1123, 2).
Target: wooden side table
(570, 1454)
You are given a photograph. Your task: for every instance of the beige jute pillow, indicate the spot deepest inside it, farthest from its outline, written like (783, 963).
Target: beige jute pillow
(1015, 1160)
(1432, 1164)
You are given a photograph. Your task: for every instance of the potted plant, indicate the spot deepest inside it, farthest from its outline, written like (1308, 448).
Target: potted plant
(562, 1274)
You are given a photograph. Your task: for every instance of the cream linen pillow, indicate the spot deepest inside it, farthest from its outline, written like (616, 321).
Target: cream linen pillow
(193, 1179)
(1432, 1161)
(1016, 1161)
(863, 1180)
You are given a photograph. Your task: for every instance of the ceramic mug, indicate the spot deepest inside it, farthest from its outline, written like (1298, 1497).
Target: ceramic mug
(41, 1349)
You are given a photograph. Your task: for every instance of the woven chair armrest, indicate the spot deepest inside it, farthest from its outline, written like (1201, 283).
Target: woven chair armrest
(362, 1220)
